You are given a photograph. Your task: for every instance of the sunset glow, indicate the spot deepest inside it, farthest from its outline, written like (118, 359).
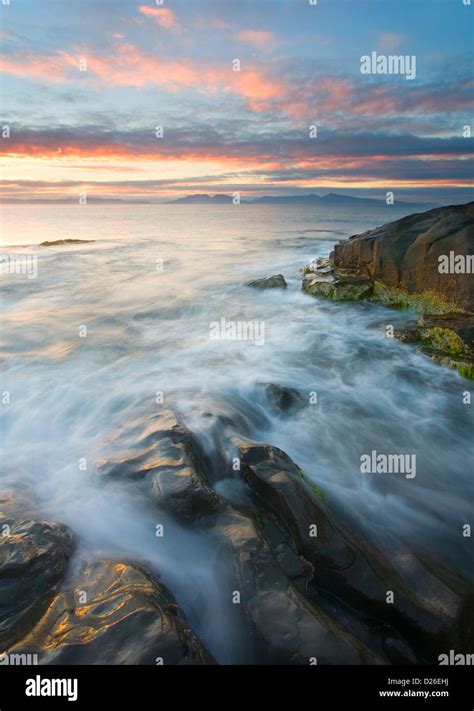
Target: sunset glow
(83, 106)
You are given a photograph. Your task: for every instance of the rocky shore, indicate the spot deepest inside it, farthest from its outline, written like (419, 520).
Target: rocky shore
(423, 263)
(308, 589)
(301, 584)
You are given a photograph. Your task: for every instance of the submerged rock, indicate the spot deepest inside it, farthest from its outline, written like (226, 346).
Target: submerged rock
(114, 613)
(277, 281)
(34, 556)
(283, 399)
(59, 242)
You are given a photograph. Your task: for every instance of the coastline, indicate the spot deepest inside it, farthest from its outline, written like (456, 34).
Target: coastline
(372, 267)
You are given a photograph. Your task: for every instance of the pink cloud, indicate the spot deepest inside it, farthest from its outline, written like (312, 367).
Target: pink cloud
(163, 16)
(260, 85)
(212, 24)
(258, 38)
(36, 67)
(390, 40)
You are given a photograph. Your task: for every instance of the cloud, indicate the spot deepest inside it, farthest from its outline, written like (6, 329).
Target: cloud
(163, 16)
(389, 41)
(296, 150)
(36, 67)
(258, 38)
(212, 23)
(275, 88)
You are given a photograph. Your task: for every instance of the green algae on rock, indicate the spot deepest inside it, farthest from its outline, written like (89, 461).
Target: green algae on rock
(379, 266)
(337, 288)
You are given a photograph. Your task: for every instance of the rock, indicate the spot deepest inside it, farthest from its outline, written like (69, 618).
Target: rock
(277, 281)
(13, 506)
(399, 265)
(338, 288)
(405, 253)
(282, 627)
(397, 652)
(282, 399)
(128, 617)
(285, 628)
(295, 566)
(355, 573)
(34, 556)
(60, 242)
(318, 266)
(447, 340)
(162, 454)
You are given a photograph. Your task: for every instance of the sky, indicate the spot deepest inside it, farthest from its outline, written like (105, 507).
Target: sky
(151, 100)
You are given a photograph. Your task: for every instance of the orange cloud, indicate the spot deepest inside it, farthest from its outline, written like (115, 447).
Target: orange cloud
(131, 66)
(258, 38)
(31, 66)
(163, 16)
(258, 84)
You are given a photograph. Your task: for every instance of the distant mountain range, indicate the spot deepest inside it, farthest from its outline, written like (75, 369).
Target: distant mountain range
(333, 199)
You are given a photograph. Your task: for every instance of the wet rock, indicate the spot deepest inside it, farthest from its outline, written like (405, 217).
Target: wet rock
(353, 570)
(60, 242)
(398, 652)
(34, 556)
(318, 266)
(282, 399)
(338, 288)
(400, 265)
(114, 613)
(282, 627)
(294, 565)
(277, 281)
(405, 253)
(285, 628)
(13, 506)
(448, 340)
(163, 456)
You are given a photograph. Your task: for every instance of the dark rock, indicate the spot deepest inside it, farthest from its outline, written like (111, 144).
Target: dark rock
(295, 566)
(277, 281)
(127, 617)
(397, 265)
(405, 253)
(163, 455)
(34, 556)
(354, 571)
(283, 628)
(283, 399)
(397, 652)
(60, 242)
